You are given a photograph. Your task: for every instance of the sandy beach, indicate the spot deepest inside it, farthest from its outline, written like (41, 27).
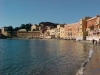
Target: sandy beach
(93, 66)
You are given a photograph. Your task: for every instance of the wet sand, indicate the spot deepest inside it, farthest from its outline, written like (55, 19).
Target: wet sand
(93, 66)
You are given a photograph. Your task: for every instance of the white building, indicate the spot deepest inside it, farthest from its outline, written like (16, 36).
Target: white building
(5, 31)
(33, 27)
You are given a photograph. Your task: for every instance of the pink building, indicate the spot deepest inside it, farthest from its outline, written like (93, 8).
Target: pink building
(71, 30)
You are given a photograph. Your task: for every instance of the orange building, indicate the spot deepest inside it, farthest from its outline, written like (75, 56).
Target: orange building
(77, 30)
(93, 28)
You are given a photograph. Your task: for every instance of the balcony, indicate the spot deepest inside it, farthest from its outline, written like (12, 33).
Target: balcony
(96, 31)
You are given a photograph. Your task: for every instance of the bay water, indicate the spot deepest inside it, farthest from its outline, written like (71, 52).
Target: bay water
(41, 57)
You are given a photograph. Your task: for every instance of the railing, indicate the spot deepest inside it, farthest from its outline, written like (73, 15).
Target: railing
(96, 31)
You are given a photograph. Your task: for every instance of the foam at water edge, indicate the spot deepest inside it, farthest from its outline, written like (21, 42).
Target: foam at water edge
(81, 70)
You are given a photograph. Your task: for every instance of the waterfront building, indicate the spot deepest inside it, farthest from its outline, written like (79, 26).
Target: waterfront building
(5, 31)
(46, 34)
(22, 33)
(41, 35)
(58, 31)
(71, 31)
(33, 34)
(33, 27)
(66, 31)
(62, 32)
(50, 33)
(93, 28)
(82, 25)
(53, 32)
(75, 29)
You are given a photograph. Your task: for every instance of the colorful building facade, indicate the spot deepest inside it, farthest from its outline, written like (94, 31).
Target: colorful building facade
(82, 25)
(71, 31)
(93, 28)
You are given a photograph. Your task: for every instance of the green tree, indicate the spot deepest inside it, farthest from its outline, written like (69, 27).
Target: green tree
(10, 30)
(44, 25)
(28, 26)
(16, 28)
(23, 26)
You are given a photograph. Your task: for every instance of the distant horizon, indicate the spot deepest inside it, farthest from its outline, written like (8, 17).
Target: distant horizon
(14, 13)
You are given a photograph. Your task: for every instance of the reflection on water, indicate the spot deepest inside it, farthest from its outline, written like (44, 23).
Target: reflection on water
(41, 57)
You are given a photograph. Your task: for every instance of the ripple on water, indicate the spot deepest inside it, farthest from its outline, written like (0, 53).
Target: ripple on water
(41, 57)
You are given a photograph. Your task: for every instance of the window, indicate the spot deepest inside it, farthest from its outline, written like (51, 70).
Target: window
(69, 33)
(70, 29)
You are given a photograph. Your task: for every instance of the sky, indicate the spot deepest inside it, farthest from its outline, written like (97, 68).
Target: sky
(17, 12)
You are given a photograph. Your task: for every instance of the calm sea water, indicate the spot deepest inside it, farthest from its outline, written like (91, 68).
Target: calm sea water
(41, 57)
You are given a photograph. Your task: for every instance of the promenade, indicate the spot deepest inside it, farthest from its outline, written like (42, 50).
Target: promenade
(93, 66)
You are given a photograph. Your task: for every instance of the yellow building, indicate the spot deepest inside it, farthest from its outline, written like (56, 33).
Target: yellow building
(58, 31)
(22, 33)
(5, 31)
(82, 33)
(62, 31)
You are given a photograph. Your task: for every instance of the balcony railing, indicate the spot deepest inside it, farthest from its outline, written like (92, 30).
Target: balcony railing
(96, 31)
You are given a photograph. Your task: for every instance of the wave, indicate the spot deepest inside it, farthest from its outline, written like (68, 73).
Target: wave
(81, 70)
